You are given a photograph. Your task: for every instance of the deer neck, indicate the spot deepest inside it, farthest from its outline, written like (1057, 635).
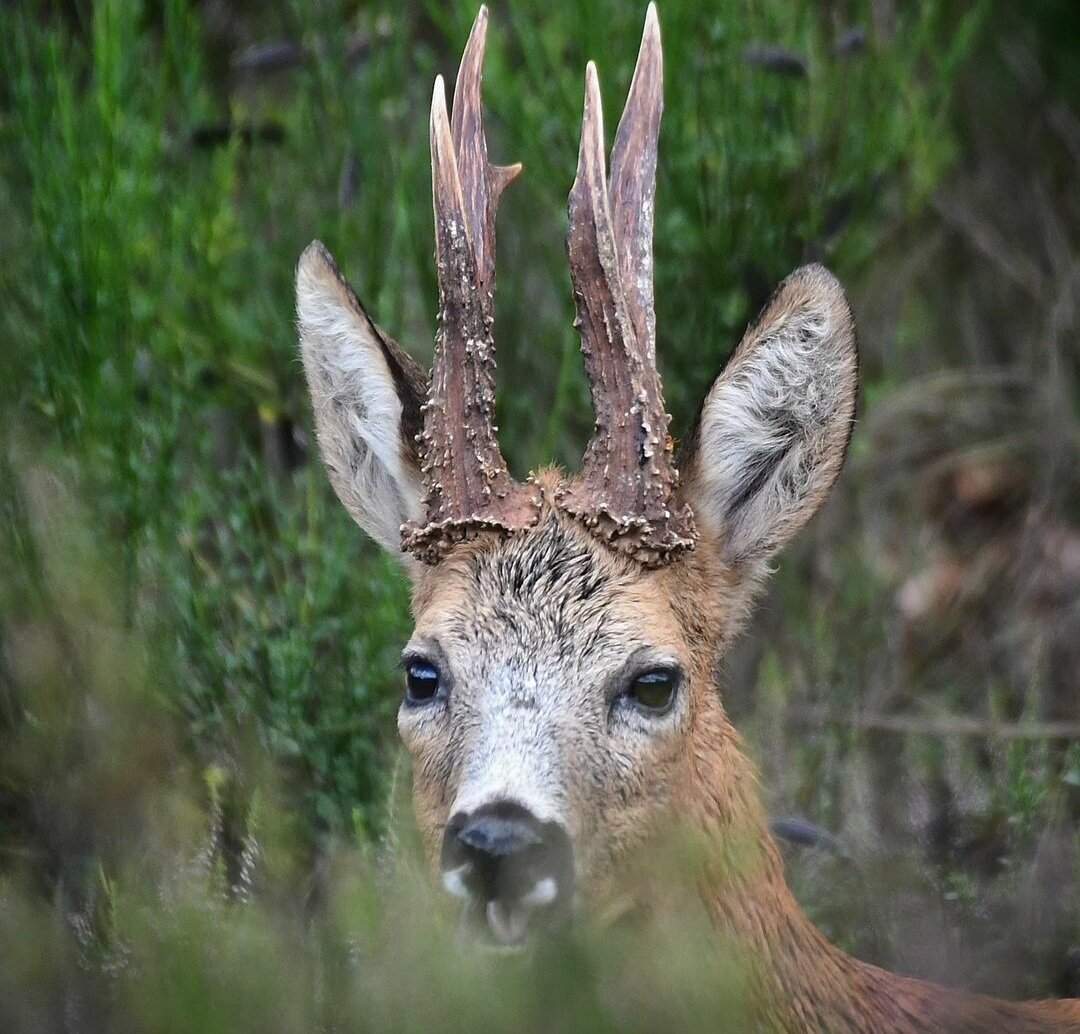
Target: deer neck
(798, 981)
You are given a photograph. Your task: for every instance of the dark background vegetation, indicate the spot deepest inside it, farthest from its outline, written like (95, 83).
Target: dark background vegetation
(199, 783)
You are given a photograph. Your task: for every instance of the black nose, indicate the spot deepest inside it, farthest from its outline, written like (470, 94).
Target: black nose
(509, 864)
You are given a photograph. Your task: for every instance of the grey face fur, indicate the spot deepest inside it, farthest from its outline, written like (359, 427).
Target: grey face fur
(538, 638)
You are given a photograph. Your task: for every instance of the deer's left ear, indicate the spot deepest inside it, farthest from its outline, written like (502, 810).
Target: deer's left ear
(774, 428)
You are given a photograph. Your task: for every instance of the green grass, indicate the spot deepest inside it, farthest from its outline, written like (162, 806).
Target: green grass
(197, 647)
(149, 307)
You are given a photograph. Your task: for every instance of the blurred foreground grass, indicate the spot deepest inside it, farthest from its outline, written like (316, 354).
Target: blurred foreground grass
(197, 647)
(159, 202)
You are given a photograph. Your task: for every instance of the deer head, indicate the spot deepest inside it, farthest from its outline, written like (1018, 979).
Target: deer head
(561, 697)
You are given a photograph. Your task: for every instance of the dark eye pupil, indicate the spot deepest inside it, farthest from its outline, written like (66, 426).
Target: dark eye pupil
(422, 681)
(654, 690)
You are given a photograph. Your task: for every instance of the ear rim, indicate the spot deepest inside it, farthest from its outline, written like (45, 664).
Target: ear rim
(407, 378)
(810, 275)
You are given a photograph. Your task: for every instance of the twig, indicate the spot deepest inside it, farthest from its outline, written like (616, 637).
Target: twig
(282, 55)
(942, 726)
(1025, 68)
(987, 240)
(774, 58)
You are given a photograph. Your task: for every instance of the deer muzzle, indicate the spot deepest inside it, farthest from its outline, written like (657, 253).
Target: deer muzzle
(514, 871)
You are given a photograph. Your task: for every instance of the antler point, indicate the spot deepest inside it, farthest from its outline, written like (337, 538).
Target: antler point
(652, 21)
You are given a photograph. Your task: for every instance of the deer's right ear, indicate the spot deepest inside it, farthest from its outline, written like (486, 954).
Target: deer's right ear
(775, 425)
(366, 393)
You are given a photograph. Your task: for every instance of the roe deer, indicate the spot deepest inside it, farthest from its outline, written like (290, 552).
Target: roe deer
(561, 697)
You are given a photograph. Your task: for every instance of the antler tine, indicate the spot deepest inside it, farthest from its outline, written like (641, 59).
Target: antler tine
(486, 181)
(633, 181)
(468, 486)
(628, 481)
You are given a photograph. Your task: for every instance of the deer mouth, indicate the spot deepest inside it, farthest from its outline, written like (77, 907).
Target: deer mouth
(507, 922)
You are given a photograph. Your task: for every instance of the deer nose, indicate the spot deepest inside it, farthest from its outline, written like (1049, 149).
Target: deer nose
(514, 870)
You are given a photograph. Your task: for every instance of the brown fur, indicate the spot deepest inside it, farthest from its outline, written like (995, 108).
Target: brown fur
(802, 982)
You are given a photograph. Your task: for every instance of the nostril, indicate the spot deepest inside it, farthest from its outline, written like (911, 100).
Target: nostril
(499, 837)
(496, 856)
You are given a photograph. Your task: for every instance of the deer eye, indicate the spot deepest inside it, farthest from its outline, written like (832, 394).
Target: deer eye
(421, 682)
(653, 691)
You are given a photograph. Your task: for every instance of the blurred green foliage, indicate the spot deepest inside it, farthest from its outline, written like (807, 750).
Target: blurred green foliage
(148, 286)
(198, 647)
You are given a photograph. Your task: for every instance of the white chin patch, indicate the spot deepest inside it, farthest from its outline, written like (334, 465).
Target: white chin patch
(543, 893)
(508, 923)
(454, 881)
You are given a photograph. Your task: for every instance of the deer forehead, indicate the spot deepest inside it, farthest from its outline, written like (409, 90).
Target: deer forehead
(545, 606)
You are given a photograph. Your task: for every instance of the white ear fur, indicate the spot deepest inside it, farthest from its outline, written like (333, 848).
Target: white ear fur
(775, 425)
(358, 401)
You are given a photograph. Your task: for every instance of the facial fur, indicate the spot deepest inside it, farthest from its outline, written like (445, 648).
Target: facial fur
(536, 636)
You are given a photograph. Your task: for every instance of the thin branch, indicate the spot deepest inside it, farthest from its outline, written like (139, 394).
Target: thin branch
(986, 240)
(944, 726)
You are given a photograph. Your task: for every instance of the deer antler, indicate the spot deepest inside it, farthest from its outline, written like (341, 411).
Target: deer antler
(625, 494)
(468, 486)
